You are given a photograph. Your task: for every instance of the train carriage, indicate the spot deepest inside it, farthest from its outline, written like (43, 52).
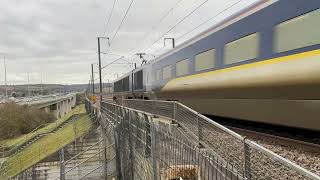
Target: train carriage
(261, 65)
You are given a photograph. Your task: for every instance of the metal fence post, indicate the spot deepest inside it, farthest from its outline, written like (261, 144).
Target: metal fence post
(75, 134)
(104, 156)
(3, 151)
(153, 150)
(33, 173)
(148, 136)
(247, 164)
(62, 168)
(174, 110)
(118, 156)
(129, 115)
(200, 134)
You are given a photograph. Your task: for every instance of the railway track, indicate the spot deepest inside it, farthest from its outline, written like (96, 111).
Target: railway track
(279, 139)
(305, 154)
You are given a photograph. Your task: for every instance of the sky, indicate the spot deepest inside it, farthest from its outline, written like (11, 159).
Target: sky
(55, 41)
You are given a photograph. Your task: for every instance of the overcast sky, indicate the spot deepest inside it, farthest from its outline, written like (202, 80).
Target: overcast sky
(55, 40)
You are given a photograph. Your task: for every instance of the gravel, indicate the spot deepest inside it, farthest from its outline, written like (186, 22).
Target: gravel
(298, 154)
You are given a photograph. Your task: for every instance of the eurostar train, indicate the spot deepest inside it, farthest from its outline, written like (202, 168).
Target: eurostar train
(260, 65)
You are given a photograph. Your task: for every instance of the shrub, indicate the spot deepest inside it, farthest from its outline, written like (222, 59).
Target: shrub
(16, 120)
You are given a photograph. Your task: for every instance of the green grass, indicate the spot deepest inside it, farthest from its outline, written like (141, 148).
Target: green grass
(45, 147)
(47, 128)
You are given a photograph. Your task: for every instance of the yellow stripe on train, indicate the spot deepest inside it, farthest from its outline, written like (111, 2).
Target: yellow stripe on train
(260, 63)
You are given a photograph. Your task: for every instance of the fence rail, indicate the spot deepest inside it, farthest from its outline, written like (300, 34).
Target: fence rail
(241, 155)
(162, 140)
(146, 149)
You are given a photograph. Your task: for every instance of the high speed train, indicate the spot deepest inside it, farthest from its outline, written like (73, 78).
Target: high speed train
(261, 65)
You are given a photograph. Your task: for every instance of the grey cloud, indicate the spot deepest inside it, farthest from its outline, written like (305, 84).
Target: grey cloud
(57, 38)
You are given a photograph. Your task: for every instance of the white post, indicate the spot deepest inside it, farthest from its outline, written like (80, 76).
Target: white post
(28, 89)
(5, 75)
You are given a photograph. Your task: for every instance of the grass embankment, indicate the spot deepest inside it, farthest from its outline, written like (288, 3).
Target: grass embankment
(45, 147)
(43, 129)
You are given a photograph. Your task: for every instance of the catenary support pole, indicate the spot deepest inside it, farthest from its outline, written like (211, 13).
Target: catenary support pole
(5, 75)
(92, 79)
(100, 77)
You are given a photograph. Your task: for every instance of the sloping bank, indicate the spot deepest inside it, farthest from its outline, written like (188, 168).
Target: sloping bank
(45, 146)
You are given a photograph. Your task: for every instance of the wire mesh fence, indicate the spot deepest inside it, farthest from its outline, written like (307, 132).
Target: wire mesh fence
(148, 149)
(21, 165)
(99, 164)
(41, 130)
(163, 140)
(30, 164)
(242, 157)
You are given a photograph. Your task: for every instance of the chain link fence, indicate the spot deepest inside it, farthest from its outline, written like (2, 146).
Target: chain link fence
(163, 140)
(74, 161)
(150, 148)
(21, 162)
(238, 155)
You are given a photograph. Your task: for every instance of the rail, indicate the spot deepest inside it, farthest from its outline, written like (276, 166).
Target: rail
(147, 149)
(249, 158)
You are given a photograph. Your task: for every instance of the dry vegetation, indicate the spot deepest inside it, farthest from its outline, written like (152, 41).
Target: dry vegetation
(16, 120)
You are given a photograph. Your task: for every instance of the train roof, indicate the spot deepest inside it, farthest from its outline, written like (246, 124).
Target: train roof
(230, 20)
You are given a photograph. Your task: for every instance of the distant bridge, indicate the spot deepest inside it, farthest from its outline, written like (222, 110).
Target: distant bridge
(56, 105)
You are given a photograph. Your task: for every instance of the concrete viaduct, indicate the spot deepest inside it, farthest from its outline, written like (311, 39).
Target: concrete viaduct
(58, 106)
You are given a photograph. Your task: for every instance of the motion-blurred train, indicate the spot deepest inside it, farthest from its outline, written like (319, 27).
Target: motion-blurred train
(260, 65)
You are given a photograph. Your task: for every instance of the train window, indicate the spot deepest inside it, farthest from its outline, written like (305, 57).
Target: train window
(158, 75)
(125, 84)
(242, 49)
(182, 67)
(298, 32)
(138, 80)
(205, 60)
(167, 72)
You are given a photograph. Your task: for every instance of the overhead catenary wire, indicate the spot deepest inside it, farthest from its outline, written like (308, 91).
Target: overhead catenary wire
(109, 18)
(127, 68)
(121, 23)
(112, 62)
(163, 17)
(113, 54)
(196, 27)
(204, 22)
(211, 18)
(175, 25)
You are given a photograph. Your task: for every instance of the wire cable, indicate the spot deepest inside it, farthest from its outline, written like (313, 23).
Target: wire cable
(196, 27)
(107, 53)
(204, 22)
(174, 26)
(213, 17)
(112, 62)
(120, 25)
(109, 18)
(164, 16)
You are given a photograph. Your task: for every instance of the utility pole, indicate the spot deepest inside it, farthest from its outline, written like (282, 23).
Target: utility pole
(5, 75)
(99, 56)
(104, 134)
(92, 79)
(41, 85)
(100, 78)
(89, 86)
(28, 87)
